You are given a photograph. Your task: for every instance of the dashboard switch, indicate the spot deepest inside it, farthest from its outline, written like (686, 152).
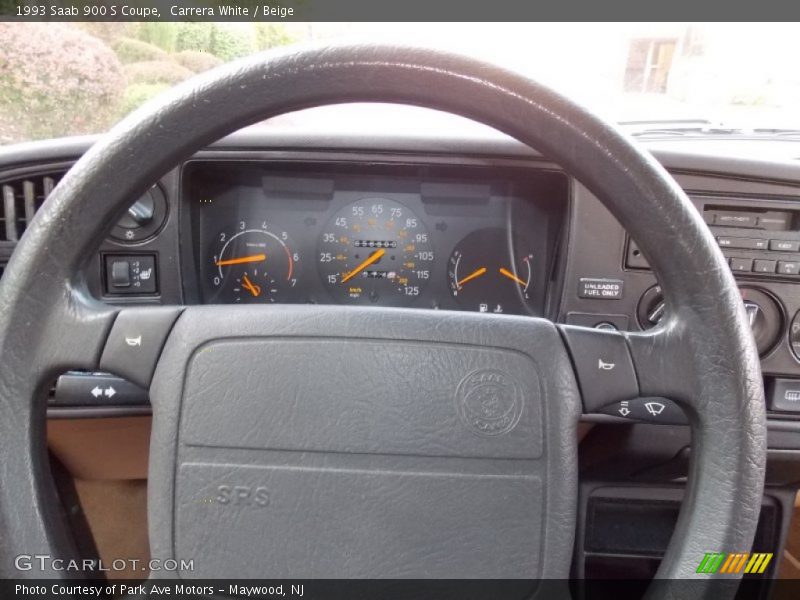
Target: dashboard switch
(96, 389)
(741, 264)
(135, 342)
(784, 395)
(131, 274)
(787, 267)
(120, 274)
(784, 245)
(764, 266)
(651, 410)
(741, 243)
(603, 365)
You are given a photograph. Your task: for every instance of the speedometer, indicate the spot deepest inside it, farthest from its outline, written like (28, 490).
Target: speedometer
(375, 251)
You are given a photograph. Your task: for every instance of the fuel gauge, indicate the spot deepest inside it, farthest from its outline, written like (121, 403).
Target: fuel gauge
(490, 272)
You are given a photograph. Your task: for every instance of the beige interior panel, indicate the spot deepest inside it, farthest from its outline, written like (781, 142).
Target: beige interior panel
(102, 449)
(116, 512)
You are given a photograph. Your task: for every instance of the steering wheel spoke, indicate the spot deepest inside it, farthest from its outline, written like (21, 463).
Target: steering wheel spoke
(606, 368)
(135, 342)
(603, 366)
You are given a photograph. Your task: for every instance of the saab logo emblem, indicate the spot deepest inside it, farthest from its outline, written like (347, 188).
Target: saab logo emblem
(734, 562)
(489, 402)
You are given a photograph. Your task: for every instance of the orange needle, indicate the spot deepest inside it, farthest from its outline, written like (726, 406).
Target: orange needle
(471, 276)
(374, 257)
(241, 260)
(512, 277)
(248, 285)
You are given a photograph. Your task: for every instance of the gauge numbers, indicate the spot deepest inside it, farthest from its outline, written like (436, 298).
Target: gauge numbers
(252, 264)
(375, 251)
(486, 274)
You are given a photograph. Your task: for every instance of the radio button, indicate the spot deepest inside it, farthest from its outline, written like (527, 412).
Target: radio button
(788, 267)
(741, 243)
(784, 245)
(764, 266)
(740, 265)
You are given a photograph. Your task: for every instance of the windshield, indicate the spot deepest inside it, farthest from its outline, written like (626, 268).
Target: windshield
(59, 79)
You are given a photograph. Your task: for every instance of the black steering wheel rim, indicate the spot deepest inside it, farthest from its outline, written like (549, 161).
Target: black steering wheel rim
(702, 356)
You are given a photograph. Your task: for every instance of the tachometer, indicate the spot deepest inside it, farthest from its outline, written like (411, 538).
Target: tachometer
(252, 264)
(375, 251)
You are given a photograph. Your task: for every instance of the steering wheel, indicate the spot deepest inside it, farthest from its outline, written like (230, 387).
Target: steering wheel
(334, 441)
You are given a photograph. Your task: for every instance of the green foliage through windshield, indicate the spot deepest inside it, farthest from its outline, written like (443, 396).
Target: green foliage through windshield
(71, 79)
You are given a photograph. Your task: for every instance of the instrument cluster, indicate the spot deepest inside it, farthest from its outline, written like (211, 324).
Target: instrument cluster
(445, 237)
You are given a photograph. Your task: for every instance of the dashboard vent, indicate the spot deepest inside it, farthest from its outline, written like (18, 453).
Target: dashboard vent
(21, 198)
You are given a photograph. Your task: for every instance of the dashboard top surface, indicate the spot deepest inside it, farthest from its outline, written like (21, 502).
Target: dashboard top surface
(759, 159)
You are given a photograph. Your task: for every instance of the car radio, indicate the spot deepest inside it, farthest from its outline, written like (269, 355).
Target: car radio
(759, 237)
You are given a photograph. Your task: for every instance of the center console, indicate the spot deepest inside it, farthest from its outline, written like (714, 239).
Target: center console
(757, 227)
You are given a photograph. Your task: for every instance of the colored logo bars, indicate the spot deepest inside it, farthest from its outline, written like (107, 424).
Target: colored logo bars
(734, 562)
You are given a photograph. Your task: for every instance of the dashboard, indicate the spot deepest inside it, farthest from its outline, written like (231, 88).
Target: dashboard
(468, 224)
(384, 235)
(465, 223)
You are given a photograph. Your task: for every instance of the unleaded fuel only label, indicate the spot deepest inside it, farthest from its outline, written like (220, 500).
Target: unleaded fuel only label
(601, 289)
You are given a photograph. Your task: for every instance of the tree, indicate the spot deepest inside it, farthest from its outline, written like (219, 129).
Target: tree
(271, 35)
(56, 80)
(163, 35)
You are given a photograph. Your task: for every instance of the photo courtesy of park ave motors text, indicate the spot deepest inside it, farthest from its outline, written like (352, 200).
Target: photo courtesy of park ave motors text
(299, 304)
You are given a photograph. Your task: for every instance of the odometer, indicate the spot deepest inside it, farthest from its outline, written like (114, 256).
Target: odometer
(375, 251)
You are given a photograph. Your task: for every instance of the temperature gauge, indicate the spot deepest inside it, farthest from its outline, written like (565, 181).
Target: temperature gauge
(491, 272)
